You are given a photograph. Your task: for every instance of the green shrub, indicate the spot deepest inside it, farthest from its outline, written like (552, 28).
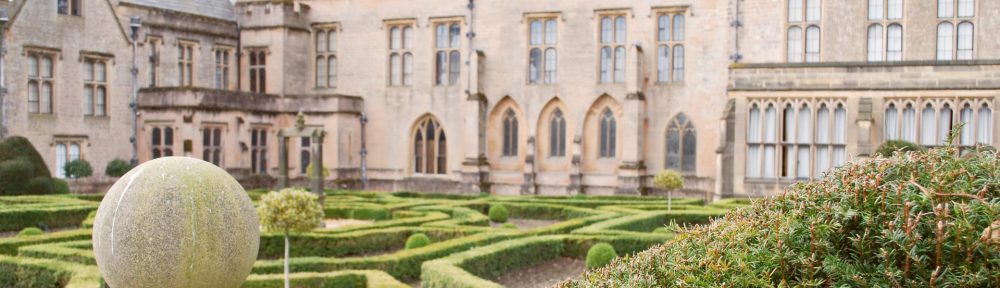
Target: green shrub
(117, 168)
(30, 231)
(17, 147)
(662, 230)
(78, 168)
(599, 255)
(39, 186)
(509, 225)
(668, 180)
(310, 171)
(374, 214)
(417, 240)
(892, 146)
(498, 213)
(913, 220)
(59, 186)
(13, 177)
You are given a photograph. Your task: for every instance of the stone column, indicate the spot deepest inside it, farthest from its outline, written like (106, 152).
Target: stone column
(282, 161)
(724, 153)
(864, 122)
(529, 187)
(576, 173)
(317, 162)
(632, 171)
(475, 167)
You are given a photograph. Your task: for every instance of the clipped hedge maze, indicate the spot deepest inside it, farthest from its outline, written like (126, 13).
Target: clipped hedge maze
(466, 249)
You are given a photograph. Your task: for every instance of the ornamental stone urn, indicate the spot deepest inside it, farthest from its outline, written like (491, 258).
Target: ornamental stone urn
(176, 222)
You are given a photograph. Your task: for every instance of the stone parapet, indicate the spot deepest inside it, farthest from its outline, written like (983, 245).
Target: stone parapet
(225, 100)
(905, 75)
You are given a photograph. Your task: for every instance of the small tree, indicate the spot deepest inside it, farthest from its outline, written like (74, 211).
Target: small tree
(669, 180)
(78, 168)
(289, 210)
(117, 168)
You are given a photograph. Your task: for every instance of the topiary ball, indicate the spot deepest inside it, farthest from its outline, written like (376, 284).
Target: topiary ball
(30, 231)
(417, 240)
(498, 213)
(176, 222)
(599, 255)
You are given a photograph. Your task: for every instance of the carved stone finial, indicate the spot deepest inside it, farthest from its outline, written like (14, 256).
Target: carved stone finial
(300, 121)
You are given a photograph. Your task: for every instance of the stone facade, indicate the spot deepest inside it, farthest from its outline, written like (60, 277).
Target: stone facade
(491, 115)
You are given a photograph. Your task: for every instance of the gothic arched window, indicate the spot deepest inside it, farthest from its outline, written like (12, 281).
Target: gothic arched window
(682, 144)
(510, 133)
(429, 148)
(557, 134)
(608, 133)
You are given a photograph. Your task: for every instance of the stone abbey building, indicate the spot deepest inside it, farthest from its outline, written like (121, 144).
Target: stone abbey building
(506, 96)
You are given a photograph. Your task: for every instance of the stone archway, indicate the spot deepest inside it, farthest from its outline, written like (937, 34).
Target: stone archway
(316, 136)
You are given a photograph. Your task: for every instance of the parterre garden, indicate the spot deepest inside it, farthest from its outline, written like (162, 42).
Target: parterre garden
(465, 248)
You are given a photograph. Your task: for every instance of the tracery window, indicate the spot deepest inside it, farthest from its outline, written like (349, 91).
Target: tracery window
(885, 30)
(812, 138)
(510, 133)
(670, 47)
(557, 134)
(448, 36)
(681, 144)
(211, 141)
(608, 134)
(956, 31)
(40, 82)
(803, 37)
(401, 54)
(95, 87)
(326, 57)
(613, 34)
(430, 149)
(162, 141)
(542, 59)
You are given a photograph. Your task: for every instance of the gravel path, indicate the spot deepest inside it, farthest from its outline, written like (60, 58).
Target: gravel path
(527, 224)
(545, 274)
(337, 223)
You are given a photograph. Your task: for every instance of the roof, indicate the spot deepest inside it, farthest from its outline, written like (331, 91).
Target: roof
(219, 9)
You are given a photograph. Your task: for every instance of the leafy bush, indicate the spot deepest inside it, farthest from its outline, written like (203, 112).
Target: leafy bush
(498, 213)
(417, 240)
(915, 220)
(668, 180)
(117, 168)
(310, 170)
(599, 255)
(30, 231)
(39, 185)
(78, 168)
(17, 147)
(59, 186)
(374, 214)
(892, 146)
(290, 210)
(14, 177)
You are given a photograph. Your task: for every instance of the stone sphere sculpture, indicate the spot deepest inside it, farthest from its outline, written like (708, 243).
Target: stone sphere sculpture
(176, 222)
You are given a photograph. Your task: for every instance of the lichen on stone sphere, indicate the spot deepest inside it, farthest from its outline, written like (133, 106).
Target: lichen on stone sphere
(176, 222)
